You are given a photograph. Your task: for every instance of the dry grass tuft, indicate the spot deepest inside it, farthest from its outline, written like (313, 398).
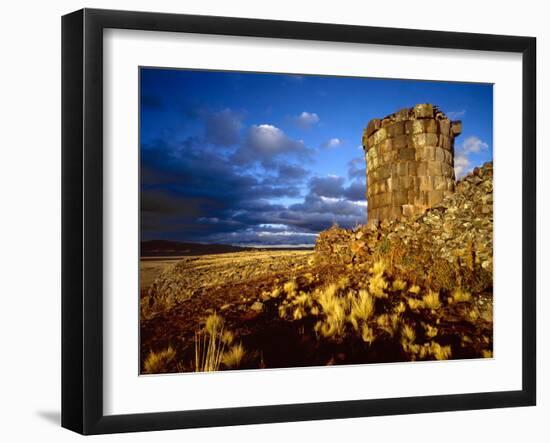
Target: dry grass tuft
(210, 344)
(400, 308)
(227, 337)
(297, 304)
(362, 308)
(377, 283)
(407, 334)
(439, 352)
(156, 362)
(473, 314)
(234, 357)
(460, 295)
(298, 313)
(367, 334)
(290, 288)
(415, 304)
(334, 308)
(389, 323)
(398, 285)
(431, 300)
(429, 330)
(378, 267)
(213, 324)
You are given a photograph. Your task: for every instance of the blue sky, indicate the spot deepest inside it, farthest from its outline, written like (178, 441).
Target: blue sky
(272, 159)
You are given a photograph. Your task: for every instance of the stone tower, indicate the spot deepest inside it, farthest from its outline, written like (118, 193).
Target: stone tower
(410, 161)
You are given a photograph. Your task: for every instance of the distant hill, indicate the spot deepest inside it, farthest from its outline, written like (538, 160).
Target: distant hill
(167, 248)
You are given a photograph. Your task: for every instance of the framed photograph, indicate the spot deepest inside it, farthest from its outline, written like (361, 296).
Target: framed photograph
(269, 221)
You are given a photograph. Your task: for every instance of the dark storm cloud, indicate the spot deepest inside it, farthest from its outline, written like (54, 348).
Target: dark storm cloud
(193, 191)
(163, 202)
(285, 173)
(151, 102)
(356, 191)
(333, 187)
(202, 173)
(197, 188)
(334, 207)
(357, 168)
(223, 128)
(292, 172)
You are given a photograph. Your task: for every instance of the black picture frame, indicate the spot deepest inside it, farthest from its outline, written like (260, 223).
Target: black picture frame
(82, 218)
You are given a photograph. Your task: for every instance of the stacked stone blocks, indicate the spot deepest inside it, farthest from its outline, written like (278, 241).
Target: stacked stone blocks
(410, 162)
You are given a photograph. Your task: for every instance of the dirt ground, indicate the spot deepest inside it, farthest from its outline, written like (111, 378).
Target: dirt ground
(151, 267)
(277, 326)
(228, 284)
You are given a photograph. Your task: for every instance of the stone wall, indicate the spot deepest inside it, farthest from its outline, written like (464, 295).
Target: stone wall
(410, 162)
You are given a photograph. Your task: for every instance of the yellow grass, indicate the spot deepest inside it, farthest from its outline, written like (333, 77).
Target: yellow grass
(459, 295)
(367, 334)
(400, 308)
(389, 323)
(334, 308)
(440, 352)
(227, 337)
(415, 304)
(156, 362)
(298, 313)
(290, 288)
(473, 314)
(213, 324)
(362, 308)
(377, 284)
(408, 334)
(234, 356)
(398, 285)
(210, 344)
(430, 331)
(431, 300)
(303, 299)
(351, 307)
(378, 267)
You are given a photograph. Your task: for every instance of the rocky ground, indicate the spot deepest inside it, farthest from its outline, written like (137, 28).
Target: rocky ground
(416, 289)
(450, 245)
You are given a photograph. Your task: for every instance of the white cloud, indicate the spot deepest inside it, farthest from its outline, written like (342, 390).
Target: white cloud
(463, 162)
(266, 138)
(329, 199)
(306, 120)
(332, 143)
(273, 226)
(473, 144)
(285, 234)
(461, 165)
(453, 115)
(264, 143)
